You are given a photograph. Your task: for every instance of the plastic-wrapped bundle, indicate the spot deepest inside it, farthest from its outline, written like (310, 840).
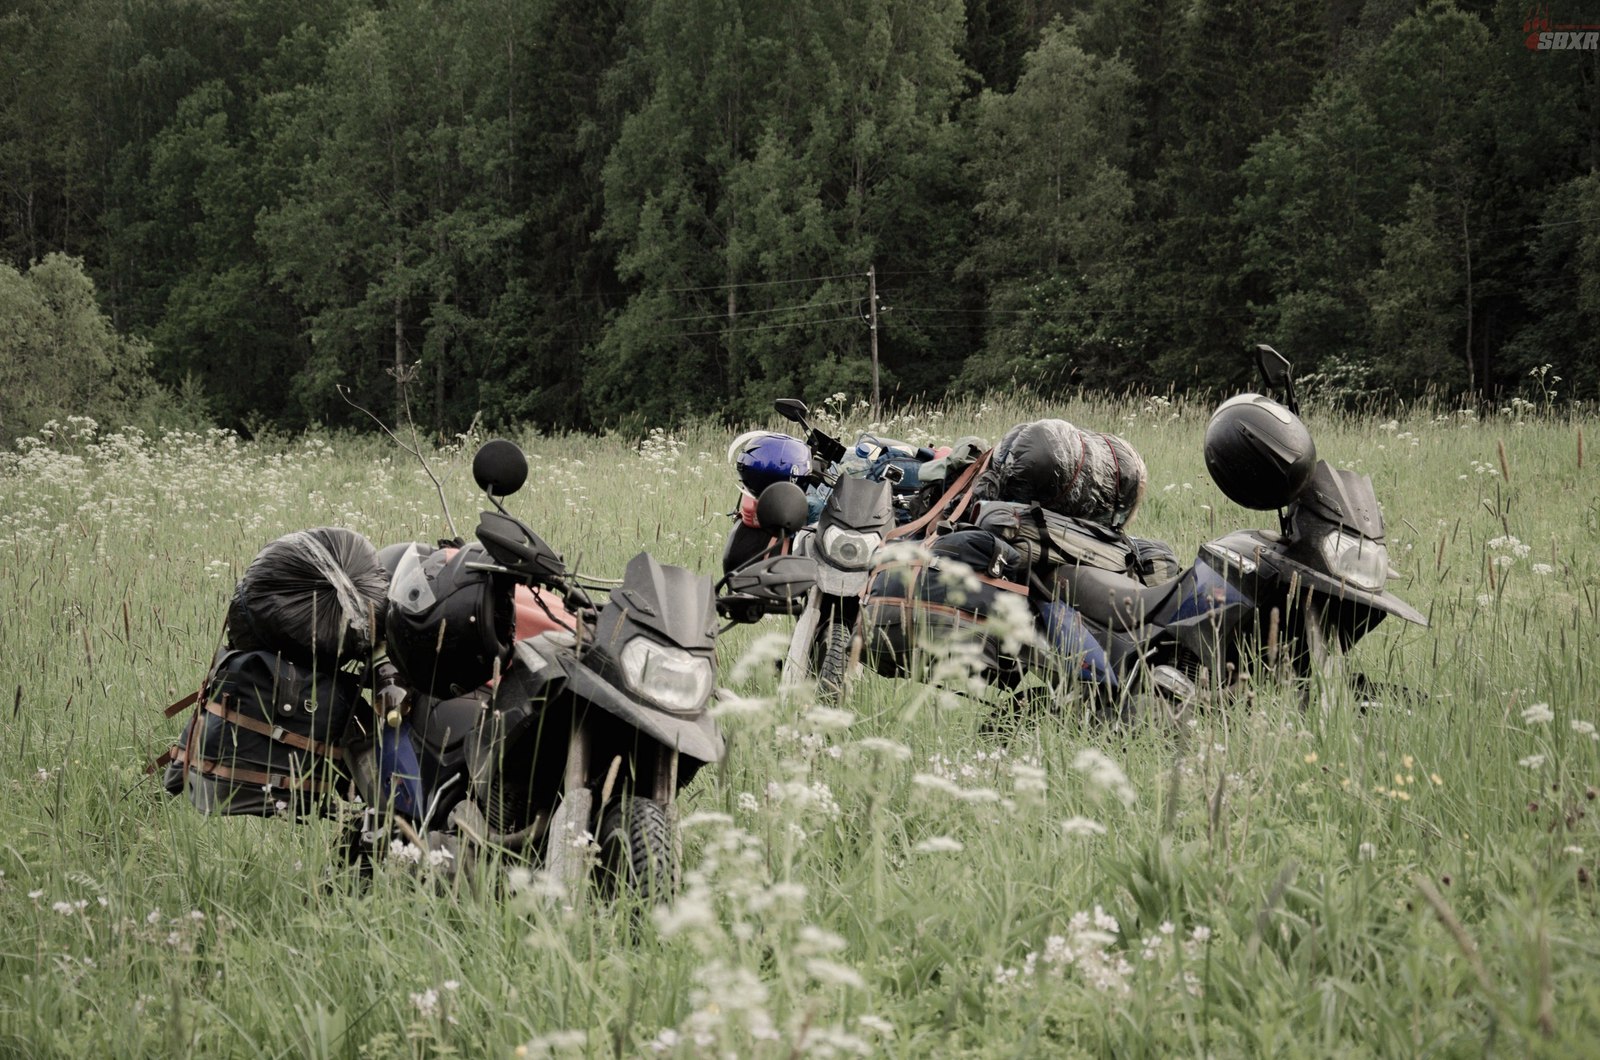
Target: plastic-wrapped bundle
(1066, 470)
(310, 595)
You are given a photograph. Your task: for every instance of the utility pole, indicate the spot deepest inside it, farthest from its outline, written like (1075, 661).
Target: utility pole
(872, 300)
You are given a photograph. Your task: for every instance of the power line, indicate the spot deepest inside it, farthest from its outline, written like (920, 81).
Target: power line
(762, 283)
(763, 327)
(759, 312)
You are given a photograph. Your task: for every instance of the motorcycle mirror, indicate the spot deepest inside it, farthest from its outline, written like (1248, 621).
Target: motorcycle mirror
(1277, 374)
(782, 506)
(499, 468)
(792, 409)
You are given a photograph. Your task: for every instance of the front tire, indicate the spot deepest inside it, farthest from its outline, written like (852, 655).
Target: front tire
(638, 848)
(835, 664)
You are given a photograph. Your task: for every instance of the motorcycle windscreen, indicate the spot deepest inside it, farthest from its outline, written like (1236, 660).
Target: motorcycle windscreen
(860, 504)
(1344, 498)
(675, 603)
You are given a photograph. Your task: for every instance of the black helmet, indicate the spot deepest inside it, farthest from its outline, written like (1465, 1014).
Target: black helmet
(445, 623)
(1258, 452)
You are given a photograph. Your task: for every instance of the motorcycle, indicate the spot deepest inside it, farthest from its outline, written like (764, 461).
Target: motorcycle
(864, 492)
(543, 721)
(1297, 598)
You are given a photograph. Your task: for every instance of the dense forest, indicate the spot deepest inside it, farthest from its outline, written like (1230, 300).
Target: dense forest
(577, 215)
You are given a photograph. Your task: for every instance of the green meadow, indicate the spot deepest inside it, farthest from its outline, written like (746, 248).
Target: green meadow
(909, 873)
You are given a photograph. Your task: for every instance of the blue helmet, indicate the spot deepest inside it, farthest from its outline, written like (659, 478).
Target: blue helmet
(764, 457)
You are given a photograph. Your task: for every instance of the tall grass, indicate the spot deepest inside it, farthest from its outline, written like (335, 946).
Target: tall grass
(913, 874)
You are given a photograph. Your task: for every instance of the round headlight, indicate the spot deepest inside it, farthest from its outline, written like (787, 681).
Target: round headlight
(849, 549)
(667, 676)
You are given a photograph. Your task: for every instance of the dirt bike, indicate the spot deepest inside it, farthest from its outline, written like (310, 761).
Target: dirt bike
(1297, 598)
(547, 723)
(859, 494)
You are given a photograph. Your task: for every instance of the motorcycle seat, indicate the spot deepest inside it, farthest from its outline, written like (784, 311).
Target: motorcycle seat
(1112, 600)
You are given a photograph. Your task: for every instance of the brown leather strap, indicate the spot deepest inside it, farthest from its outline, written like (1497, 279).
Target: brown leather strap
(253, 776)
(273, 732)
(186, 701)
(912, 608)
(958, 489)
(916, 567)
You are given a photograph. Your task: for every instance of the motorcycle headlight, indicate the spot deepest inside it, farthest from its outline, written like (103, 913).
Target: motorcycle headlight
(849, 549)
(667, 676)
(1362, 563)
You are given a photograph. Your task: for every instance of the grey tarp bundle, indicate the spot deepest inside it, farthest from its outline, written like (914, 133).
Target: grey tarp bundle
(313, 594)
(1067, 470)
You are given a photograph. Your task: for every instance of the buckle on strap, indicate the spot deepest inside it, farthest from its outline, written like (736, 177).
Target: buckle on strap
(278, 733)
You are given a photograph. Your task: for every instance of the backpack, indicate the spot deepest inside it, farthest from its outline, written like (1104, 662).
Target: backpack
(264, 731)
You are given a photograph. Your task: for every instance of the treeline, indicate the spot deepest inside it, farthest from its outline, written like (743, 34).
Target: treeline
(578, 214)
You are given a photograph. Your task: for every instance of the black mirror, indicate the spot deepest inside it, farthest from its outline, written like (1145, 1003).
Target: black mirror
(499, 468)
(1273, 365)
(782, 506)
(792, 409)
(1277, 374)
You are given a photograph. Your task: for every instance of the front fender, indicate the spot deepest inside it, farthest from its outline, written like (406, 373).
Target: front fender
(831, 581)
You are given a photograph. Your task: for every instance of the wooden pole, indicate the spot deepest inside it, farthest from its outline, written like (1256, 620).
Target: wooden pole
(872, 301)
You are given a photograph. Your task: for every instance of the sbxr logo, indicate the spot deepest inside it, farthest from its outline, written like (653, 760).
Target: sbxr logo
(1545, 35)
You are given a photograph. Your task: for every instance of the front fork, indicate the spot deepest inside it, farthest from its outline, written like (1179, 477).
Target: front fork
(573, 825)
(800, 664)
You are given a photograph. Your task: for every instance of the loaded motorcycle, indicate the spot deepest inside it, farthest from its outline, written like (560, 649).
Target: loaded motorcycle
(863, 491)
(1300, 596)
(1113, 615)
(542, 718)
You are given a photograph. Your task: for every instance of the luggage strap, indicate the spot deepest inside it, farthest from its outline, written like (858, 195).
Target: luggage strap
(917, 569)
(184, 756)
(959, 488)
(291, 782)
(273, 732)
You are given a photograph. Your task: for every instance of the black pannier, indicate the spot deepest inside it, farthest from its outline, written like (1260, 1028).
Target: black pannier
(917, 603)
(266, 735)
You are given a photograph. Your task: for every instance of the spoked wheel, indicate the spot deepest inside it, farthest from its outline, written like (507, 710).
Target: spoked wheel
(638, 848)
(835, 664)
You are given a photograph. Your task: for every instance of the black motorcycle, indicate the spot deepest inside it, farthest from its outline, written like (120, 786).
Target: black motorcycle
(1294, 599)
(580, 735)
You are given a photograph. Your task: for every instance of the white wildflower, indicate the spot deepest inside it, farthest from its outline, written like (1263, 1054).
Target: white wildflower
(1082, 826)
(1538, 714)
(940, 844)
(832, 973)
(1104, 774)
(885, 748)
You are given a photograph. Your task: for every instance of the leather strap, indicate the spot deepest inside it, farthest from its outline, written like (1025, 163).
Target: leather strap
(273, 732)
(253, 776)
(187, 701)
(958, 489)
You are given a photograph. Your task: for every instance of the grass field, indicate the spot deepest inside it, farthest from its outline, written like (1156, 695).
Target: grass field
(907, 877)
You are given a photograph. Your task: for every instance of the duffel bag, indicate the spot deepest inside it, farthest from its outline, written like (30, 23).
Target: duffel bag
(1048, 540)
(918, 604)
(266, 735)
